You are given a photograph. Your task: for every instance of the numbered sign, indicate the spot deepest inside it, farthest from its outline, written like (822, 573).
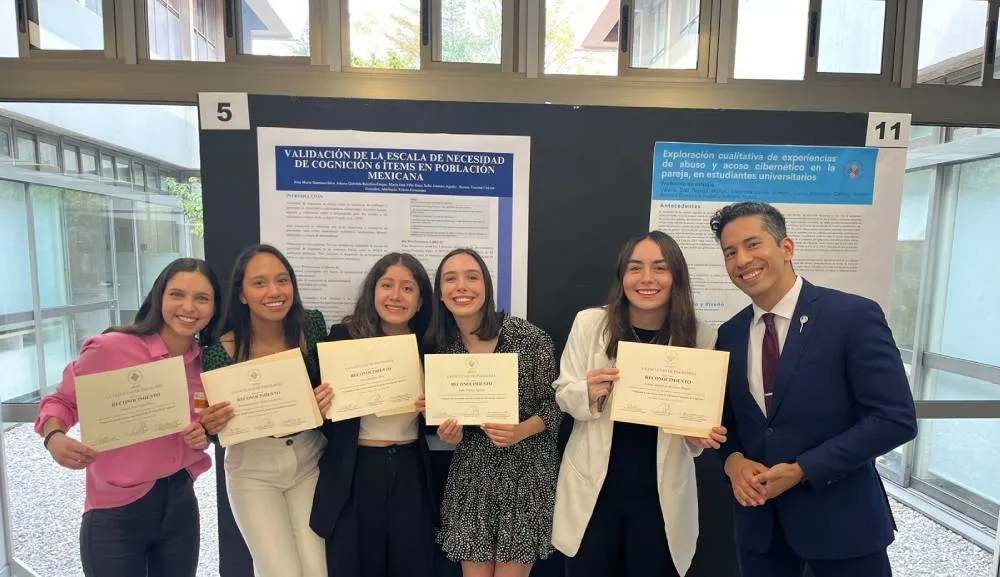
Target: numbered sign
(888, 130)
(223, 111)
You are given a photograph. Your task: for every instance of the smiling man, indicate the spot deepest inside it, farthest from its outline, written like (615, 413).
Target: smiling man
(816, 392)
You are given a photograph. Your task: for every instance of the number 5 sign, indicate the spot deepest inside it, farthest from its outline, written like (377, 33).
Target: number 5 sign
(887, 130)
(223, 111)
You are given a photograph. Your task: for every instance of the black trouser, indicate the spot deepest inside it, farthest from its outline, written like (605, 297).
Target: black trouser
(386, 528)
(625, 536)
(156, 536)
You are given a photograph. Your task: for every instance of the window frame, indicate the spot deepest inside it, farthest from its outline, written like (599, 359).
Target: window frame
(708, 35)
(986, 66)
(991, 70)
(892, 32)
(6, 130)
(232, 25)
(29, 29)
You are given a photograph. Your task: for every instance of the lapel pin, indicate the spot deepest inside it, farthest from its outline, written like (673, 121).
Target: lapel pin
(802, 322)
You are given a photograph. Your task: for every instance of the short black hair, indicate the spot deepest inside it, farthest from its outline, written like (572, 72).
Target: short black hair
(772, 218)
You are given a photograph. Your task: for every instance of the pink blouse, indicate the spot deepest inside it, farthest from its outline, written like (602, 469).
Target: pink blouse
(122, 476)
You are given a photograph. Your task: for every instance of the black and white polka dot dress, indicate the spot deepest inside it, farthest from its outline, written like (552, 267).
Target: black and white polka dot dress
(498, 503)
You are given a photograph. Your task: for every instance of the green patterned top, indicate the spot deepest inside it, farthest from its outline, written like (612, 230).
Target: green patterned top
(215, 356)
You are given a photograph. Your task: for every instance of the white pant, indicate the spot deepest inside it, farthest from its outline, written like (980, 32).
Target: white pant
(271, 483)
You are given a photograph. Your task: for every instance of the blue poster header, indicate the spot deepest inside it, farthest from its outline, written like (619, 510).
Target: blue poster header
(405, 171)
(774, 174)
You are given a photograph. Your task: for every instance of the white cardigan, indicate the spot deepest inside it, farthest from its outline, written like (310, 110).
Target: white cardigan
(585, 461)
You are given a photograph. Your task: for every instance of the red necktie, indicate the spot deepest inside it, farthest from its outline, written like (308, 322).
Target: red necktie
(769, 360)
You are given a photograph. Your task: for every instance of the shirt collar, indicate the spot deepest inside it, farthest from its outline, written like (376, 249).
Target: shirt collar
(158, 349)
(786, 306)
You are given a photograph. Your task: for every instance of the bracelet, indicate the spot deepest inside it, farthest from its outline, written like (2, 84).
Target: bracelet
(48, 437)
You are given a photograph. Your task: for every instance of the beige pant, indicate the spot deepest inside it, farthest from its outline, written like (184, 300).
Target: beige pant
(271, 484)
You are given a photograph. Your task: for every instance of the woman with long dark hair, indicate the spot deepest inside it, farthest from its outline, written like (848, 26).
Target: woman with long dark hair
(373, 503)
(496, 516)
(271, 480)
(627, 499)
(141, 515)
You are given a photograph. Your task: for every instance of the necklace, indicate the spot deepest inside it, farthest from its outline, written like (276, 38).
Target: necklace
(636, 335)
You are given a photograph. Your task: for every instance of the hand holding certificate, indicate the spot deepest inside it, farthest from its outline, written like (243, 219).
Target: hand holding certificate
(271, 396)
(380, 375)
(678, 389)
(128, 406)
(472, 389)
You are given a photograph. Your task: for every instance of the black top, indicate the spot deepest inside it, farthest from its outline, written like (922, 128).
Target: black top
(336, 465)
(633, 447)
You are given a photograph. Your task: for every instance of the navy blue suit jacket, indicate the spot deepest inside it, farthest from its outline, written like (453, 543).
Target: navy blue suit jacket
(841, 399)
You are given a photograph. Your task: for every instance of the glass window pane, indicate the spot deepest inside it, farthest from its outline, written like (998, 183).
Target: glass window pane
(63, 337)
(954, 455)
(15, 297)
(5, 147)
(160, 240)
(966, 311)
(951, 42)
(88, 236)
(917, 189)
(18, 360)
(581, 37)
(26, 149)
(151, 178)
(185, 30)
(761, 53)
(176, 37)
(8, 29)
(385, 33)
(923, 547)
(665, 34)
(996, 59)
(471, 31)
(850, 36)
(72, 241)
(122, 170)
(71, 162)
(65, 25)
(138, 174)
(107, 167)
(125, 260)
(88, 162)
(50, 245)
(275, 27)
(48, 154)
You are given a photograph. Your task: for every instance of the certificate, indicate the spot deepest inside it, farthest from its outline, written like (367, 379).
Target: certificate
(128, 406)
(473, 389)
(379, 375)
(271, 397)
(678, 389)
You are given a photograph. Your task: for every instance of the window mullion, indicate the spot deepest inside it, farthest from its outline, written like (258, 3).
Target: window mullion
(990, 47)
(231, 29)
(812, 40)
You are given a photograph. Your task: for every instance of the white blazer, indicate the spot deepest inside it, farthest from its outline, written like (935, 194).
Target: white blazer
(585, 461)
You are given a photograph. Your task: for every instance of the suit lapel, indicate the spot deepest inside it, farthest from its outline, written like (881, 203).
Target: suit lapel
(739, 365)
(795, 341)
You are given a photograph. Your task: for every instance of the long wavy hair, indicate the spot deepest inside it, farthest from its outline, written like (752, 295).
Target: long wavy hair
(681, 326)
(364, 322)
(443, 328)
(237, 318)
(148, 319)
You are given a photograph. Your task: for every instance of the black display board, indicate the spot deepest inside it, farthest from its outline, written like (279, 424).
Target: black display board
(591, 169)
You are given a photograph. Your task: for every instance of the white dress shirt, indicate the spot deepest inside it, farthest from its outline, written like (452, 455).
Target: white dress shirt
(783, 312)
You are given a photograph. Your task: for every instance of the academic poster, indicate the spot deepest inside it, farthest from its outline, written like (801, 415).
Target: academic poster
(841, 206)
(335, 201)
